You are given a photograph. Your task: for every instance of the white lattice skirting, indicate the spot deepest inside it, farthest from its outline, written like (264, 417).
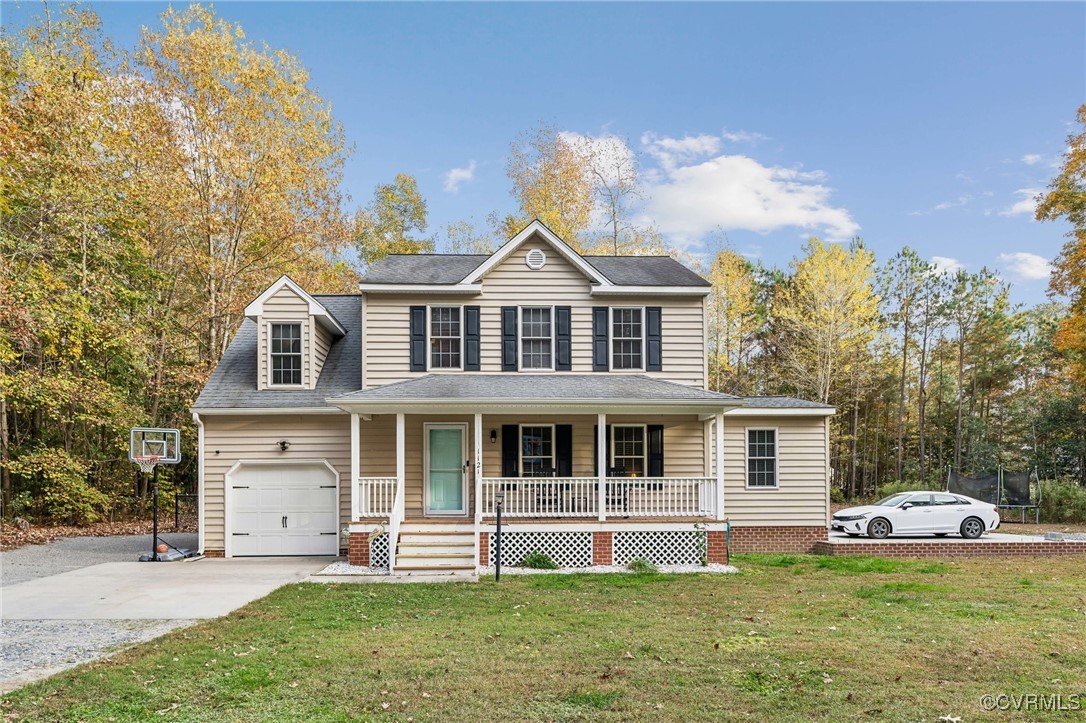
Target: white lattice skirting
(660, 547)
(379, 551)
(568, 549)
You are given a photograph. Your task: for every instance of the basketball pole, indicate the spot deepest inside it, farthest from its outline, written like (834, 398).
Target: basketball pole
(154, 508)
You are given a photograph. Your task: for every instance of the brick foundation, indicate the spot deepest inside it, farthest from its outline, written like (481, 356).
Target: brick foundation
(717, 551)
(214, 553)
(358, 549)
(484, 549)
(603, 548)
(776, 539)
(952, 549)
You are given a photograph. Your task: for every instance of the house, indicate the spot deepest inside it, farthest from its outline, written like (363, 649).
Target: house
(387, 424)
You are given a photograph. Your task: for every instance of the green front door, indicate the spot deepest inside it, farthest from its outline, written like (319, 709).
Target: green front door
(445, 469)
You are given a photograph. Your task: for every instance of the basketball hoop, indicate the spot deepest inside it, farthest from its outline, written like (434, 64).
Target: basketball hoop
(146, 462)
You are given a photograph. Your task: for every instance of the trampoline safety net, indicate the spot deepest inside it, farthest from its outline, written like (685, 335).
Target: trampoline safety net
(983, 487)
(1016, 489)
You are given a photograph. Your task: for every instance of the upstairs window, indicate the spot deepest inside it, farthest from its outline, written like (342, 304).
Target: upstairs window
(445, 337)
(761, 458)
(627, 338)
(286, 354)
(536, 338)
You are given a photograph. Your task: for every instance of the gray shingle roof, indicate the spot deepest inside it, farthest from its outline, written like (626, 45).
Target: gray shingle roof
(233, 383)
(645, 271)
(783, 403)
(452, 268)
(422, 268)
(536, 387)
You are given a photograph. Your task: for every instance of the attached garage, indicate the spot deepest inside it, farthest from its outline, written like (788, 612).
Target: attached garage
(282, 508)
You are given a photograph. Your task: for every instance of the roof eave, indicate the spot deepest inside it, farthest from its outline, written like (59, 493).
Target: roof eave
(650, 290)
(421, 288)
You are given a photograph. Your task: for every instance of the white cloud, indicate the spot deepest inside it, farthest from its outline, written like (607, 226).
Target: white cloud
(696, 191)
(455, 177)
(1032, 159)
(947, 265)
(1025, 204)
(1026, 266)
(743, 136)
(962, 200)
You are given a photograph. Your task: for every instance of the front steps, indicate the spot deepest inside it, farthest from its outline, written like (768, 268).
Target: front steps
(428, 548)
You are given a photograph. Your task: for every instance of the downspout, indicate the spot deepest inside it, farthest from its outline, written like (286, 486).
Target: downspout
(199, 480)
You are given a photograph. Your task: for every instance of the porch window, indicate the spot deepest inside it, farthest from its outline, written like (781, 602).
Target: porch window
(537, 450)
(536, 333)
(627, 338)
(445, 337)
(286, 354)
(761, 458)
(628, 450)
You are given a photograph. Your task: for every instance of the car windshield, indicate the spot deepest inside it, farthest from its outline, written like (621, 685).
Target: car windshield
(892, 500)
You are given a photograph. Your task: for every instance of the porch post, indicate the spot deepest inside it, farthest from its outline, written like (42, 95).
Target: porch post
(601, 464)
(478, 466)
(355, 451)
(401, 465)
(720, 466)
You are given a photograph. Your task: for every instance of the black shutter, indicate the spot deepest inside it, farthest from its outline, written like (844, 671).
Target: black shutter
(510, 450)
(599, 339)
(563, 357)
(656, 450)
(471, 338)
(653, 337)
(418, 338)
(563, 450)
(509, 338)
(596, 448)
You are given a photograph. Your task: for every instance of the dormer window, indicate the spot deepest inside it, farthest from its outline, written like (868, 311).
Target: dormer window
(445, 337)
(286, 355)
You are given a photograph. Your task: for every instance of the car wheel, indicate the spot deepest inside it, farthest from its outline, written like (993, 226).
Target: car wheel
(878, 528)
(972, 528)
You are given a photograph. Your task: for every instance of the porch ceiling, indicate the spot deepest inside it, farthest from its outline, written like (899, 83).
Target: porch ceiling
(570, 393)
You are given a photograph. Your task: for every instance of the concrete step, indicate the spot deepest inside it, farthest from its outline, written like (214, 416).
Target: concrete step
(438, 538)
(438, 526)
(426, 569)
(434, 560)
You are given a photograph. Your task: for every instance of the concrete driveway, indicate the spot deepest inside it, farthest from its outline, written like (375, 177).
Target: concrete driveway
(54, 622)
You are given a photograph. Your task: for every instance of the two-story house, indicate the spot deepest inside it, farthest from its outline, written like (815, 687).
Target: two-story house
(389, 423)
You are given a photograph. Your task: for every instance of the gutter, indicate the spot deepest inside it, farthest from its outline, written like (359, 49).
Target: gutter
(199, 480)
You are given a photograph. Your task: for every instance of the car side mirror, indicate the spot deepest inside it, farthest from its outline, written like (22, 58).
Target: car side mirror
(907, 506)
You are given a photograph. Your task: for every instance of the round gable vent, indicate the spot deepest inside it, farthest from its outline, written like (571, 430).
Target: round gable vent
(535, 259)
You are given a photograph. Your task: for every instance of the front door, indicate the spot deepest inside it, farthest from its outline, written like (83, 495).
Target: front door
(446, 453)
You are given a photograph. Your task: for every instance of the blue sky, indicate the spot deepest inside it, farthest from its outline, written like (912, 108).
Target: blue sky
(928, 124)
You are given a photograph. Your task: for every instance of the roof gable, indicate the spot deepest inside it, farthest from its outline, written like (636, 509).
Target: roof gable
(316, 309)
(538, 230)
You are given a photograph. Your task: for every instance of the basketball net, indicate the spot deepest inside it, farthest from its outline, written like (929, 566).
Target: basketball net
(146, 462)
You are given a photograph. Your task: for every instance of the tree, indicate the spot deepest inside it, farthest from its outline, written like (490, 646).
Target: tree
(1066, 198)
(385, 226)
(462, 237)
(931, 318)
(551, 182)
(733, 320)
(247, 160)
(612, 171)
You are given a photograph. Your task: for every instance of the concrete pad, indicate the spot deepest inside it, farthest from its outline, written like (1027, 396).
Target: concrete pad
(197, 589)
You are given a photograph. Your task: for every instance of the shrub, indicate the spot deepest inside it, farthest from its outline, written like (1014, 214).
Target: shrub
(61, 492)
(837, 495)
(641, 566)
(1063, 502)
(539, 561)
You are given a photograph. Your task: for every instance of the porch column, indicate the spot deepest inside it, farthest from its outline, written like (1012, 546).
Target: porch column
(401, 465)
(601, 464)
(355, 452)
(478, 466)
(720, 466)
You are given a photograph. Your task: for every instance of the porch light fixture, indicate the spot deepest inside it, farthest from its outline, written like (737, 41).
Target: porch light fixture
(283, 444)
(493, 436)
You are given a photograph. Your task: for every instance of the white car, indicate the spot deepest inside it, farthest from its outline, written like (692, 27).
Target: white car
(919, 513)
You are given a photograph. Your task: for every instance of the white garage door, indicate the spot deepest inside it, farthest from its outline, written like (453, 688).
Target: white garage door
(283, 509)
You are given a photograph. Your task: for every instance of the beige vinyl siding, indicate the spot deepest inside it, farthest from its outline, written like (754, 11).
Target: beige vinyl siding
(512, 283)
(322, 342)
(228, 439)
(284, 306)
(802, 493)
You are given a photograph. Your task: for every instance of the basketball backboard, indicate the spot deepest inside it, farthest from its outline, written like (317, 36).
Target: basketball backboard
(162, 443)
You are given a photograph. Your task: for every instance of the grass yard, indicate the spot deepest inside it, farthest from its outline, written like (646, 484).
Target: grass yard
(791, 637)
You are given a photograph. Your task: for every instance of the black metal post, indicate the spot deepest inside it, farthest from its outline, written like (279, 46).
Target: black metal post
(176, 509)
(498, 546)
(154, 507)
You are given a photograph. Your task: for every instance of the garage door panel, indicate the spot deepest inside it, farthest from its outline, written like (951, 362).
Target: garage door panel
(263, 494)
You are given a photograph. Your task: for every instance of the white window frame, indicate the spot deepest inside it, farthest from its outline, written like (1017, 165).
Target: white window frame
(611, 339)
(644, 445)
(776, 458)
(301, 340)
(520, 338)
(520, 449)
(430, 337)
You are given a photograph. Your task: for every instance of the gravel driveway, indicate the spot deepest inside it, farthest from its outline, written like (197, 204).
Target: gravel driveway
(33, 561)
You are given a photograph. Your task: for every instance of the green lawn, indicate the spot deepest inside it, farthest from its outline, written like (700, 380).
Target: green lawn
(791, 637)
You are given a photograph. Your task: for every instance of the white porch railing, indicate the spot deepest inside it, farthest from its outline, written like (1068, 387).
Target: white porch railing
(579, 497)
(376, 496)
